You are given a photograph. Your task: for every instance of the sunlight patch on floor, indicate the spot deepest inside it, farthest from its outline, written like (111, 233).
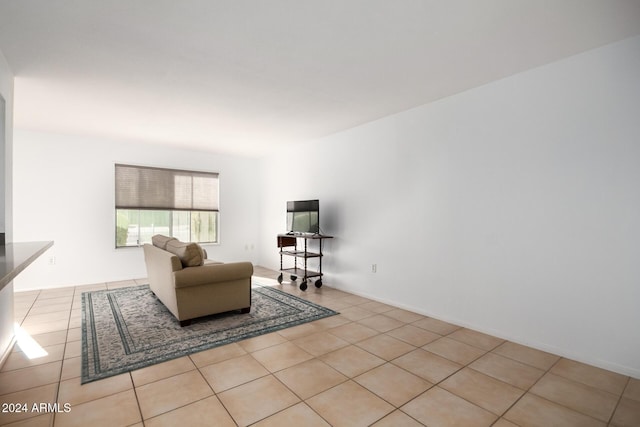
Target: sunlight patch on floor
(27, 344)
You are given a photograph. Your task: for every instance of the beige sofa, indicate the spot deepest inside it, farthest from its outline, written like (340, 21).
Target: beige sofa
(191, 286)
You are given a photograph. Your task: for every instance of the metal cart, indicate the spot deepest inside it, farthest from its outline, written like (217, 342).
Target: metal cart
(288, 245)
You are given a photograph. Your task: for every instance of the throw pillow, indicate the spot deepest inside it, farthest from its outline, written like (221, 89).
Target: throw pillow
(190, 254)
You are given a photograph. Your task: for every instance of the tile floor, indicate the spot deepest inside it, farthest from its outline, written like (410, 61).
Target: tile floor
(373, 364)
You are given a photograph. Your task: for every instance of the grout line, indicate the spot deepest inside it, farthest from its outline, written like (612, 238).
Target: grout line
(527, 391)
(214, 392)
(34, 387)
(301, 400)
(467, 365)
(565, 407)
(64, 353)
(619, 400)
(57, 394)
(135, 393)
(28, 311)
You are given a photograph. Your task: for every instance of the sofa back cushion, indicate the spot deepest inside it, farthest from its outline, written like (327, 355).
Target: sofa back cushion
(190, 254)
(160, 241)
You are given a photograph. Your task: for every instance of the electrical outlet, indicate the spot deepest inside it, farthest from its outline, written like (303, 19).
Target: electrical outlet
(52, 260)
(374, 268)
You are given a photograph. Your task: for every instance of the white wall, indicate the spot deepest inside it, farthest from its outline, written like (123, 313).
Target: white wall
(511, 208)
(6, 90)
(3, 161)
(64, 191)
(6, 294)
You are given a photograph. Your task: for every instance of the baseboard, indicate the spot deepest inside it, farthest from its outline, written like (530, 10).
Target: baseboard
(8, 351)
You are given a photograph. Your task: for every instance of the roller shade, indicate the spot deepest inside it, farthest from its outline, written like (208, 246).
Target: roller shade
(140, 187)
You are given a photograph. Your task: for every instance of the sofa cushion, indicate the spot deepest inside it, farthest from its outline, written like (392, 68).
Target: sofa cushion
(160, 241)
(190, 254)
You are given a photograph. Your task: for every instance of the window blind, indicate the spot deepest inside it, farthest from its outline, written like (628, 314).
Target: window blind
(140, 187)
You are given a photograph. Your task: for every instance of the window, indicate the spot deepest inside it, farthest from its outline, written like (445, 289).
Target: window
(177, 203)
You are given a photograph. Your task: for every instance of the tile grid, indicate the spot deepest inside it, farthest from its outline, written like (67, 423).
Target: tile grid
(135, 393)
(618, 396)
(68, 327)
(626, 386)
(358, 316)
(533, 385)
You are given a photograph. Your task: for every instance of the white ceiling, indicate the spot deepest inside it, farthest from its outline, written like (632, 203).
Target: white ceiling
(246, 77)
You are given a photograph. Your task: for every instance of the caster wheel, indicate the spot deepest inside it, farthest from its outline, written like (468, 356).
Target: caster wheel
(318, 283)
(294, 278)
(280, 278)
(303, 286)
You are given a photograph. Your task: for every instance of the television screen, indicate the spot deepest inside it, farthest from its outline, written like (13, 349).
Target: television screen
(303, 216)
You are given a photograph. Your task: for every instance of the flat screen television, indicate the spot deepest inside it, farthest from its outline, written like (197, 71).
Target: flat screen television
(303, 216)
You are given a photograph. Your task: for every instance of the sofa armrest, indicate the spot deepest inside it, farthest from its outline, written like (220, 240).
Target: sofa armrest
(160, 261)
(212, 273)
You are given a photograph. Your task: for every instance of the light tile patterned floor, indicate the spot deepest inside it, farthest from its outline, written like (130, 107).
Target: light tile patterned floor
(372, 365)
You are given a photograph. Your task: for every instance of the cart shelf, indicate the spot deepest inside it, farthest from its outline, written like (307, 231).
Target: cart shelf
(302, 254)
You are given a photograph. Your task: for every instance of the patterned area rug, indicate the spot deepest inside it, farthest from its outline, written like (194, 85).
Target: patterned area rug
(129, 328)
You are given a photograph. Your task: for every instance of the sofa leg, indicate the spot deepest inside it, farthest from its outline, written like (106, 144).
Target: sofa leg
(245, 310)
(184, 323)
